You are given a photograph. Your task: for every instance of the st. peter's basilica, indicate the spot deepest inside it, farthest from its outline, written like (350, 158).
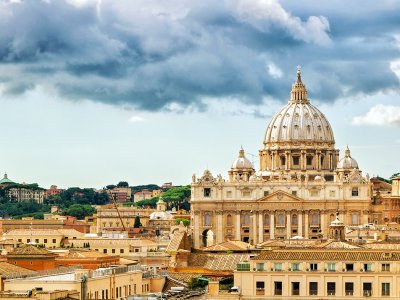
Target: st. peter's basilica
(300, 186)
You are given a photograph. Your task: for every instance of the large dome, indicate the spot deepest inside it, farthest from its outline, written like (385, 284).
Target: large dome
(299, 121)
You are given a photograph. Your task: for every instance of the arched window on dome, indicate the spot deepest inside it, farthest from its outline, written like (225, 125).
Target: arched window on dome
(229, 220)
(281, 220)
(315, 219)
(294, 220)
(207, 219)
(246, 219)
(266, 220)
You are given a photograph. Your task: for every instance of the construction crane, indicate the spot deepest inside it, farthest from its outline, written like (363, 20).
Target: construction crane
(119, 215)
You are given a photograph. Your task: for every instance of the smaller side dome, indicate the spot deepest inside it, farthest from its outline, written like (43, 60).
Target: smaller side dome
(347, 162)
(242, 162)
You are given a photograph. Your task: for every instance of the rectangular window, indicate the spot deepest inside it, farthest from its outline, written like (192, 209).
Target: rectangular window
(207, 192)
(260, 288)
(260, 267)
(295, 288)
(367, 289)
(266, 193)
(331, 288)
(112, 250)
(385, 289)
(386, 267)
(54, 241)
(28, 240)
(45, 241)
(296, 160)
(331, 267)
(349, 288)
(278, 266)
(313, 288)
(367, 267)
(294, 193)
(278, 288)
(246, 194)
(354, 192)
(243, 267)
(314, 193)
(37, 241)
(349, 267)
(104, 250)
(229, 194)
(121, 250)
(309, 160)
(295, 267)
(313, 267)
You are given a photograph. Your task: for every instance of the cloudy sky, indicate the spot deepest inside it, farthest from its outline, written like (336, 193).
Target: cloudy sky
(94, 92)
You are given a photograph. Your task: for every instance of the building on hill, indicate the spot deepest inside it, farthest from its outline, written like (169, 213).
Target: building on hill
(391, 203)
(120, 194)
(52, 191)
(142, 195)
(300, 185)
(5, 181)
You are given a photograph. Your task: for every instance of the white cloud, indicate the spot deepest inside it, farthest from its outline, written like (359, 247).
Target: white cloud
(395, 67)
(136, 119)
(380, 115)
(263, 13)
(274, 71)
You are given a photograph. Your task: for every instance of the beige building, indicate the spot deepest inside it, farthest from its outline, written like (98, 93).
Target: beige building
(104, 283)
(316, 273)
(143, 195)
(300, 184)
(25, 193)
(47, 237)
(108, 217)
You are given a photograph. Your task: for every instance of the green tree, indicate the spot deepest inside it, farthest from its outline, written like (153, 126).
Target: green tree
(150, 203)
(178, 196)
(111, 186)
(123, 184)
(186, 222)
(80, 211)
(137, 223)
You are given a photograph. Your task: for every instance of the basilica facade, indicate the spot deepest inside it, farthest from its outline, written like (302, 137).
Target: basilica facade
(300, 186)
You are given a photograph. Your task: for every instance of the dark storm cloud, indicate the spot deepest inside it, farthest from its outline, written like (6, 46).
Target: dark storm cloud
(150, 54)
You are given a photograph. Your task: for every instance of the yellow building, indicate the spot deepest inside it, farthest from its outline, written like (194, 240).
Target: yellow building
(300, 184)
(104, 283)
(46, 237)
(109, 218)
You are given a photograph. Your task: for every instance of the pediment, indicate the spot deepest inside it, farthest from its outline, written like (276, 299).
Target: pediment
(280, 196)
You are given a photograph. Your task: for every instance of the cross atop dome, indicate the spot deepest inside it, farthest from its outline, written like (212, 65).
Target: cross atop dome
(299, 73)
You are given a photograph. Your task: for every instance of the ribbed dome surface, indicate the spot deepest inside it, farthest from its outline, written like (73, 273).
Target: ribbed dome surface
(242, 162)
(299, 120)
(347, 162)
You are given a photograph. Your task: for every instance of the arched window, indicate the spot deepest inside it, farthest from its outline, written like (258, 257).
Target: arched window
(354, 219)
(207, 219)
(246, 219)
(294, 220)
(315, 219)
(322, 160)
(266, 220)
(281, 220)
(229, 220)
